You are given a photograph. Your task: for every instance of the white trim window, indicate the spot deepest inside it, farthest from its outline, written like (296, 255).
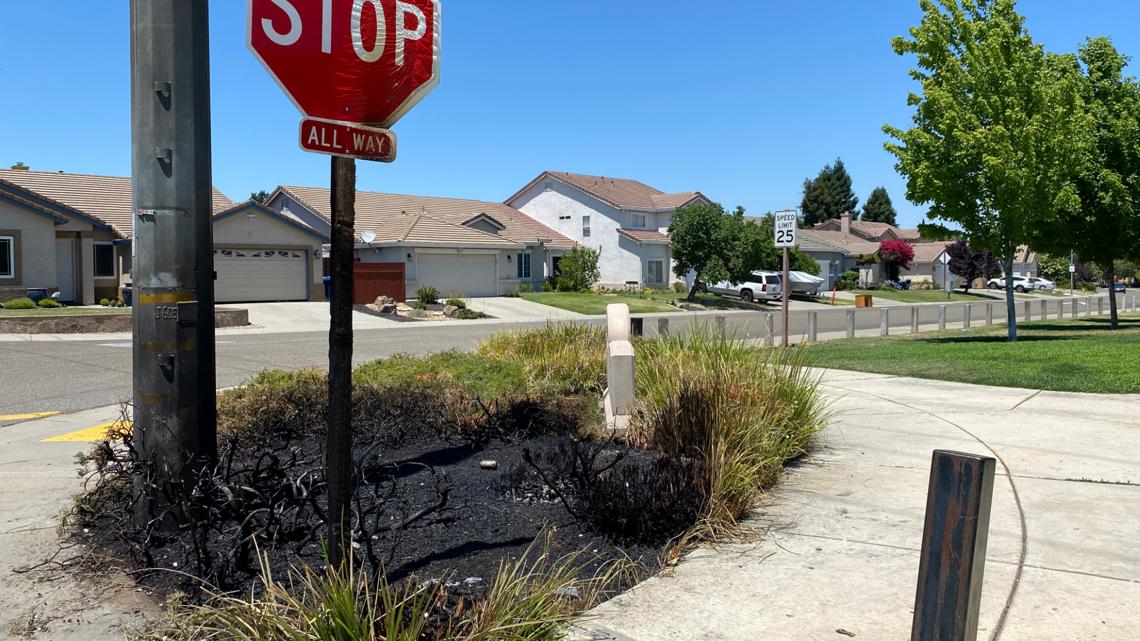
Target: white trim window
(104, 261)
(7, 258)
(585, 226)
(522, 261)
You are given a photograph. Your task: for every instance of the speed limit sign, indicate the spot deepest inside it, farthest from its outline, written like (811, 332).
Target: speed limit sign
(786, 224)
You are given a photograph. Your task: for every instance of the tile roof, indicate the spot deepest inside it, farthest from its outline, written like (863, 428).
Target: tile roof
(908, 233)
(927, 252)
(621, 193)
(645, 236)
(838, 241)
(18, 194)
(106, 198)
(393, 216)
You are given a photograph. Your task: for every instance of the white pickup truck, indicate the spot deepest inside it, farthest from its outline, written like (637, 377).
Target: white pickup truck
(763, 286)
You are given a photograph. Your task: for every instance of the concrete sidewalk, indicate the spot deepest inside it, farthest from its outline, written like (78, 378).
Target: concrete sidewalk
(843, 531)
(38, 478)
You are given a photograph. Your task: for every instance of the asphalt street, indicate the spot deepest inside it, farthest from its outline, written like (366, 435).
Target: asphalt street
(69, 376)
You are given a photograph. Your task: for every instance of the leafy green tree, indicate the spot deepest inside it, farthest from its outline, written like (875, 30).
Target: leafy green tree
(579, 268)
(878, 208)
(998, 131)
(828, 195)
(718, 245)
(774, 260)
(1055, 268)
(260, 196)
(970, 264)
(1106, 227)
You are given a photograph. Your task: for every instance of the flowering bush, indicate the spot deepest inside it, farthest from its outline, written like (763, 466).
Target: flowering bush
(895, 255)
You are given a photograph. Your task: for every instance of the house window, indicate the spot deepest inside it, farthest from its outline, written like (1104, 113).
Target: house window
(7, 257)
(656, 272)
(637, 221)
(567, 217)
(104, 260)
(585, 226)
(523, 263)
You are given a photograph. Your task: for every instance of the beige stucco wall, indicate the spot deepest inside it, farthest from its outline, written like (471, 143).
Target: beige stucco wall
(35, 247)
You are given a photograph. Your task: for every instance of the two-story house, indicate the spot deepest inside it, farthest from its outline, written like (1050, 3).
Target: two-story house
(626, 220)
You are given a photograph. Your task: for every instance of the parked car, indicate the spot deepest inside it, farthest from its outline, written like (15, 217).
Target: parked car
(1119, 288)
(1042, 284)
(763, 286)
(1021, 284)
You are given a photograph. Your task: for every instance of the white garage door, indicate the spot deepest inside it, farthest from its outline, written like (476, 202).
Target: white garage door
(465, 274)
(250, 275)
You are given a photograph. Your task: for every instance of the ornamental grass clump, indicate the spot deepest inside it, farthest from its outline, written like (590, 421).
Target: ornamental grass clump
(566, 358)
(745, 411)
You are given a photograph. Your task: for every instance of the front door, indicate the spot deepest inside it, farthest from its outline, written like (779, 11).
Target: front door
(65, 268)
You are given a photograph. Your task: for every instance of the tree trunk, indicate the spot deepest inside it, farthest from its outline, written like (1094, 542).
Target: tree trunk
(1010, 303)
(1110, 276)
(694, 289)
(338, 453)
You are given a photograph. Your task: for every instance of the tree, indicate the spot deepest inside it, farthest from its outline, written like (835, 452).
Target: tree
(879, 209)
(828, 195)
(998, 131)
(1106, 227)
(1055, 268)
(718, 245)
(579, 268)
(774, 260)
(895, 255)
(970, 264)
(260, 196)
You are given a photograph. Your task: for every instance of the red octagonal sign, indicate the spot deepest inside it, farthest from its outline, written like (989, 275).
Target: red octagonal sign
(358, 61)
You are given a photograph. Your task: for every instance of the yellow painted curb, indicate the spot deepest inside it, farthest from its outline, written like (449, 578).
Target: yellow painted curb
(27, 417)
(89, 435)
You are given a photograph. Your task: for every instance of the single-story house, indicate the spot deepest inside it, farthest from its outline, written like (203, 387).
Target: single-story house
(463, 248)
(71, 234)
(626, 220)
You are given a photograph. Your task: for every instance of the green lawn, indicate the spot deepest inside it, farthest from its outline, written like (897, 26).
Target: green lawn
(925, 296)
(64, 311)
(1074, 356)
(595, 304)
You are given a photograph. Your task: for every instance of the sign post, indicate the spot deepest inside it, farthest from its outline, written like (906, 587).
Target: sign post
(1072, 274)
(353, 68)
(787, 222)
(944, 258)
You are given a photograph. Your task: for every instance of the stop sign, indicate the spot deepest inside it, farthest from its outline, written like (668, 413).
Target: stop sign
(354, 61)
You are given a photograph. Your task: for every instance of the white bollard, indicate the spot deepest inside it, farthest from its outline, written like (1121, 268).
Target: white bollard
(812, 327)
(850, 323)
(941, 318)
(620, 397)
(989, 313)
(914, 319)
(966, 316)
(884, 322)
(1028, 311)
(769, 330)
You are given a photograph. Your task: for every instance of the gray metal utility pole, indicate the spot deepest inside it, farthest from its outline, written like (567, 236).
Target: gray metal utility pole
(172, 262)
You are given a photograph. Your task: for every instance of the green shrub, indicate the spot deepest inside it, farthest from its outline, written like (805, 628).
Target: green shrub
(105, 302)
(48, 303)
(849, 280)
(427, 295)
(679, 288)
(567, 358)
(564, 284)
(275, 402)
(524, 288)
(420, 306)
(579, 268)
(470, 314)
(548, 286)
(457, 302)
(746, 411)
(20, 303)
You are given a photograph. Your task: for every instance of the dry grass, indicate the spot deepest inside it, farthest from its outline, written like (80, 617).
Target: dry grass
(565, 358)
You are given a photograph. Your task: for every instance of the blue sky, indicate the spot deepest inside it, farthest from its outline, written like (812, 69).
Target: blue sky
(740, 99)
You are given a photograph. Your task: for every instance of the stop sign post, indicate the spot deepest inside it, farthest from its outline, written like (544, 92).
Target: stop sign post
(353, 68)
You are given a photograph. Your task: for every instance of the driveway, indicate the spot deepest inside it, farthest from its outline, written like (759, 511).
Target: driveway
(517, 309)
(842, 533)
(300, 317)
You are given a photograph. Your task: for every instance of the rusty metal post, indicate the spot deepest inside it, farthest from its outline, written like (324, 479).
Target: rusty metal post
(338, 455)
(953, 556)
